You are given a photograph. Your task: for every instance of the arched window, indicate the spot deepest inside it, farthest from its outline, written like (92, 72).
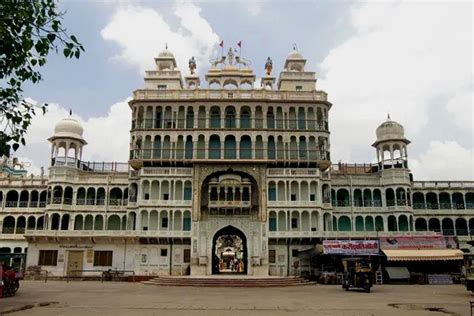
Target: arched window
(271, 148)
(157, 147)
(403, 223)
(369, 224)
(420, 225)
(418, 201)
(392, 224)
(303, 148)
(245, 147)
(344, 224)
(367, 198)
(190, 118)
(390, 198)
(188, 153)
(270, 118)
(230, 147)
(8, 225)
(215, 117)
(448, 227)
(301, 118)
(343, 197)
(230, 117)
(113, 222)
(461, 227)
(359, 224)
(214, 147)
(245, 118)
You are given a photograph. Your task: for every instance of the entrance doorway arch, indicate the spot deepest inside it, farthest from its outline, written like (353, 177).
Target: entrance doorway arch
(232, 245)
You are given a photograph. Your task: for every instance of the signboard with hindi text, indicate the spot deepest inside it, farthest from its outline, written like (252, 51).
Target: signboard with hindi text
(351, 247)
(416, 242)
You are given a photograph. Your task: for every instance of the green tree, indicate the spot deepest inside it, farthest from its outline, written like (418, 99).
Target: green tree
(29, 30)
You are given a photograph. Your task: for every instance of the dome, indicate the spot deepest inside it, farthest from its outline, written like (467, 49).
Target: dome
(166, 54)
(294, 54)
(68, 128)
(390, 130)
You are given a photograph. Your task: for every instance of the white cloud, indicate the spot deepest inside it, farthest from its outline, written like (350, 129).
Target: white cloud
(461, 109)
(403, 59)
(143, 32)
(107, 136)
(444, 161)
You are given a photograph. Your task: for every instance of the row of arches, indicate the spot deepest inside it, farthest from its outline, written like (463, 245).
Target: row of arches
(116, 196)
(305, 148)
(24, 198)
(166, 190)
(296, 191)
(443, 200)
(448, 226)
(19, 224)
(369, 197)
(243, 117)
(294, 221)
(175, 220)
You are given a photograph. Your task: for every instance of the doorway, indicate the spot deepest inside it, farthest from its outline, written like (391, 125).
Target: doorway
(229, 251)
(74, 263)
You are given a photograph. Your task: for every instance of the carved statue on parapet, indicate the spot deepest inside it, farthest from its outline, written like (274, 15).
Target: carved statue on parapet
(192, 65)
(230, 56)
(268, 66)
(217, 61)
(242, 61)
(42, 171)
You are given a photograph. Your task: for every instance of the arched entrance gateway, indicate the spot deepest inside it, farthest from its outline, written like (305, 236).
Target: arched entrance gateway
(230, 224)
(229, 251)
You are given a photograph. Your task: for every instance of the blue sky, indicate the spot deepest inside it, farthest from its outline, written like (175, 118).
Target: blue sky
(410, 59)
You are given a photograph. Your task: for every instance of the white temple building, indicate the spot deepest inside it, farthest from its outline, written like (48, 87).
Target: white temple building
(217, 172)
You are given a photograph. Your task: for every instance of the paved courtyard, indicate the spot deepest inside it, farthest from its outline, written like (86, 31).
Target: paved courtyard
(115, 298)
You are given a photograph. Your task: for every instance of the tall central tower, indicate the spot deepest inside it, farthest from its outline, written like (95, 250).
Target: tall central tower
(228, 155)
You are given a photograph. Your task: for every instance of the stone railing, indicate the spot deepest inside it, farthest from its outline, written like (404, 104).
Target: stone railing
(229, 94)
(443, 184)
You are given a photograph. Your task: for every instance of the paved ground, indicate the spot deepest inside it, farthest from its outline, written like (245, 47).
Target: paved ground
(116, 298)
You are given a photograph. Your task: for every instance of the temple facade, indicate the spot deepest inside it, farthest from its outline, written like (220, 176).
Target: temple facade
(222, 177)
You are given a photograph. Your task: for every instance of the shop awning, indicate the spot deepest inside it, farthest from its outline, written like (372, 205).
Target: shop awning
(423, 254)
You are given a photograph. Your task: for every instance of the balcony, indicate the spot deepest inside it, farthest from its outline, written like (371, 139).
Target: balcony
(268, 125)
(91, 166)
(107, 233)
(230, 204)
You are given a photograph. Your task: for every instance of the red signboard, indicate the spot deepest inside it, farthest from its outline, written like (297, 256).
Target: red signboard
(351, 247)
(418, 242)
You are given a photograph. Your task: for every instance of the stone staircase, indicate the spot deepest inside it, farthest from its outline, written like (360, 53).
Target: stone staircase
(226, 281)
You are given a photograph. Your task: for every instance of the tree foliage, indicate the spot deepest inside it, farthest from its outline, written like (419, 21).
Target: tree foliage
(29, 30)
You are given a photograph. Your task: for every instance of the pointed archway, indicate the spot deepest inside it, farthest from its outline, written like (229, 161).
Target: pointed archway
(233, 238)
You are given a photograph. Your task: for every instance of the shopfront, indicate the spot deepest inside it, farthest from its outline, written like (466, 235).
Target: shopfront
(427, 259)
(328, 260)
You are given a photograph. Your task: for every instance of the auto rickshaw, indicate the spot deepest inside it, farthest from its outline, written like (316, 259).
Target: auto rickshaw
(467, 275)
(357, 274)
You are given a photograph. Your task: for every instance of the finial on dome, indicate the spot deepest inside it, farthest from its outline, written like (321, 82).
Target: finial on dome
(388, 117)
(166, 45)
(295, 47)
(70, 112)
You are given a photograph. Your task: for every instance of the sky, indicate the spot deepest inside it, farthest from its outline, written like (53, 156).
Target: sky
(410, 59)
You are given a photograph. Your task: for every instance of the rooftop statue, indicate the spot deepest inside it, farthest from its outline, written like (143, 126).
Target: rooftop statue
(230, 56)
(217, 61)
(242, 61)
(192, 65)
(268, 66)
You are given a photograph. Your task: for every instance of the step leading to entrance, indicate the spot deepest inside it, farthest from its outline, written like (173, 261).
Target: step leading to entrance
(226, 281)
